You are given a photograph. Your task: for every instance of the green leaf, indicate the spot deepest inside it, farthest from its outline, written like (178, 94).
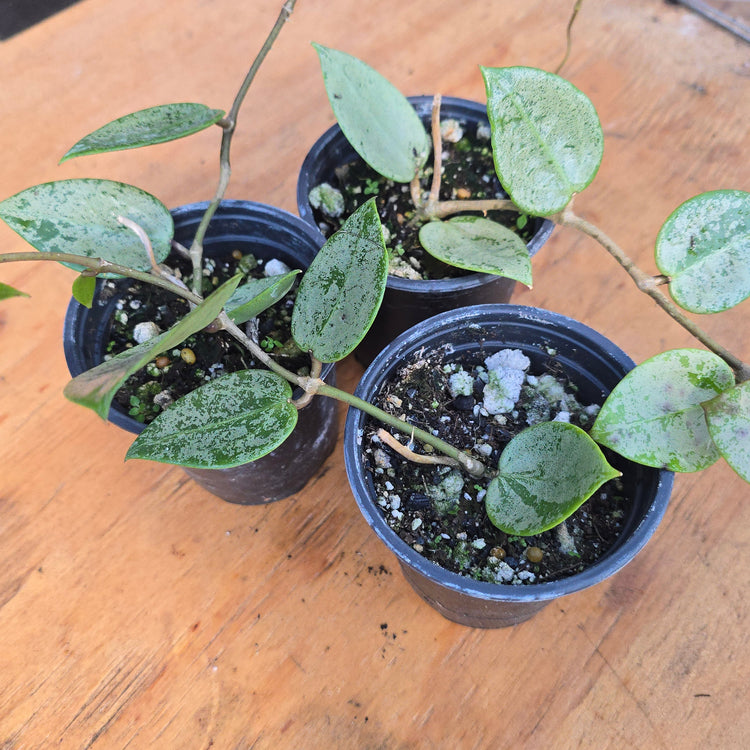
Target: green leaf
(341, 292)
(146, 127)
(545, 473)
(80, 217)
(478, 244)
(257, 295)
(547, 141)
(704, 247)
(96, 388)
(728, 417)
(83, 290)
(375, 117)
(230, 421)
(654, 414)
(7, 291)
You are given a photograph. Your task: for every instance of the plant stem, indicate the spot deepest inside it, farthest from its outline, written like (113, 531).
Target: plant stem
(437, 151)
(446, 208)
(415, 190)
(568, 35)
(471, 465)
(649, 285)
(410, 455)
(102, 266)
(237, 333)
(156, 269)
(229, 124)
(433, 207)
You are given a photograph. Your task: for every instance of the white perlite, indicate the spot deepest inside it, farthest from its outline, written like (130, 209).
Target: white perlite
(460, 384)
(506, 371)
(145, 331)
(326, 198)
(451, 131)
(275, 267)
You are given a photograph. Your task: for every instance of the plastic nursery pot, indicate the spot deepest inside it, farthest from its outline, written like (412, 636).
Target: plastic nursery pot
(407, 301)
(267, 232)
(594, 365)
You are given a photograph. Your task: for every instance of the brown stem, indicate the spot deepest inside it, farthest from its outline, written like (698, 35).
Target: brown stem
(237, 333)
(310, 384)
(569, 36)
(228, 125)
(415, 190)
(649, 285)
(98, 266)
(156, 269)
(410, 455)
(437, 151)
(447, 208)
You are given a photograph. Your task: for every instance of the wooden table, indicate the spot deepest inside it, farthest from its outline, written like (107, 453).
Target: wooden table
(138, 611)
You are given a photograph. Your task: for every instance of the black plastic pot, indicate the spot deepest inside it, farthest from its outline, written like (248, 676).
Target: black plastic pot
(595, 365)
(406, 301)
(266, 232)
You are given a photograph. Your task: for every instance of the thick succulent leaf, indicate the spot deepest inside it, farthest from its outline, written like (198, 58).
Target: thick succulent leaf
(654, 414)
(704, 247)
(8, 291)
(80, 217)
(545, 473)
(342, 289)
(96, 388)
(547, 141)
(478, 244)
(166, 122)
(83, 290)
(257, 295)
(229, 421)
(728, 417)
(375, 117)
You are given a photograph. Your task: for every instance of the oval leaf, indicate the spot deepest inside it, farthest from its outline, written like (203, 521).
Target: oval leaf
(478, 244)
(728, 417)
(341, 292)
(146, 127)
(7, 291)
(230, 421)
(80, 217)
(83, 290)
(654, 414)
(375, 117)
(704, 247)
(547, 140)
(96, 388)
(545, 473)
(257, 295)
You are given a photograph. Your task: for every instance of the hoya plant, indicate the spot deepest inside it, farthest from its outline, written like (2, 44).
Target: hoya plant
(680, 410)
(550, 142)
(388, 134)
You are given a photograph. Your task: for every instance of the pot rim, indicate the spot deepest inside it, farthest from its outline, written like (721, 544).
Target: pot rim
(422, 104)
(381, 368)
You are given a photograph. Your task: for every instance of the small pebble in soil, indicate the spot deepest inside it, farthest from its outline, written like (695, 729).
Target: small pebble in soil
(187, 355)
(534, 554)
(162, 361)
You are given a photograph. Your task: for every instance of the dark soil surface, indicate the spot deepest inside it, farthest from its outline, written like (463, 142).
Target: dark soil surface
(456, 532)
(203, 356)
(468, 173)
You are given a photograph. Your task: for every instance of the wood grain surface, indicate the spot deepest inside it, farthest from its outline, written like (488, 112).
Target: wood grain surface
(138, 611)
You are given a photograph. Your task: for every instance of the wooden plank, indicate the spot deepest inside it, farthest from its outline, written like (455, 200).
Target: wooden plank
(136, 610)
